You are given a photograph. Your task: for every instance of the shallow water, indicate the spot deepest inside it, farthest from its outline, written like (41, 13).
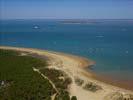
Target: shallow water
(109, 43)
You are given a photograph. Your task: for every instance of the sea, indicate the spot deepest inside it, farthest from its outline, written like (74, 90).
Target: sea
(107, 42)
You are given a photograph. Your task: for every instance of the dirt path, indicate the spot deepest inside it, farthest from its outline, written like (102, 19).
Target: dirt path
(45, 77)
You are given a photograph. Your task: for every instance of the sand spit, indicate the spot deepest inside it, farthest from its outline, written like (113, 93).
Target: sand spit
(83, 85)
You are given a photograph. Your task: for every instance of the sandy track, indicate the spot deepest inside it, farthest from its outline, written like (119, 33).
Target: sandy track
(74, 66)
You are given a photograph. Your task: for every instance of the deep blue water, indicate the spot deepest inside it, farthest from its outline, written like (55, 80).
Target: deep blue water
(109, 43)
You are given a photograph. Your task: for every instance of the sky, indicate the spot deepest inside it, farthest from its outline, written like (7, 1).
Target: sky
(66, 9)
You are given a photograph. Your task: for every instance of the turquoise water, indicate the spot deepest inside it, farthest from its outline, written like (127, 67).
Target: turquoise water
(109, 43)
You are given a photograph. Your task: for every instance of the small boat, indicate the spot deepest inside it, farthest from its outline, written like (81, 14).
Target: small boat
(36, 27)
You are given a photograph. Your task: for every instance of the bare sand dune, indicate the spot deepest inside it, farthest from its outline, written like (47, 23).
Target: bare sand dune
(84, 86)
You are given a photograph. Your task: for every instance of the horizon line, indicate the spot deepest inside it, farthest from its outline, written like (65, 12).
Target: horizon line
(67, 19)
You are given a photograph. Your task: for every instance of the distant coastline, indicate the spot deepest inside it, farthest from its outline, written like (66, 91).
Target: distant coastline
(74, 66)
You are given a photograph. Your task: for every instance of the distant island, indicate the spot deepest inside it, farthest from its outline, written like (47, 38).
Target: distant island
(92, 21)
(79, 21)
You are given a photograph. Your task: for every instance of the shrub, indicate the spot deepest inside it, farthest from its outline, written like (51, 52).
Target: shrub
(79, 81)
(92, 87)
(64, 95)
(74, 98)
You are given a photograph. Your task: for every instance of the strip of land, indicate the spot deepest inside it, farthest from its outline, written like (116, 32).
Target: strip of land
(84, 86)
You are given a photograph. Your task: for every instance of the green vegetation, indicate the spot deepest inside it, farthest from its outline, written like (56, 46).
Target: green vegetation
(18, 81)
(74, 98)
(64, 95)
(79, 81)
(60, 83)
(92, 87)
(54, 75)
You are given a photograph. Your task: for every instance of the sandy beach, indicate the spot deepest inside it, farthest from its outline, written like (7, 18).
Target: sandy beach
(74, 67)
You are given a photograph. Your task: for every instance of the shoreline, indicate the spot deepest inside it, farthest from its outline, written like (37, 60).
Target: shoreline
(75, 66)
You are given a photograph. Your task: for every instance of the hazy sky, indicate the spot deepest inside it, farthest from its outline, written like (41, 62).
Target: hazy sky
(57, 9)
